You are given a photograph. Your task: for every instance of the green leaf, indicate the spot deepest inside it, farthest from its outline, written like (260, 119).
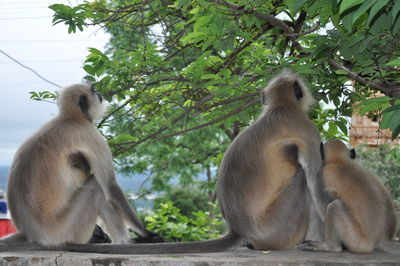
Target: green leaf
(395, 62)
(395, 10)
(395, 133)
(375, 9)
(89, 69)
(390, 120)
(392, 108)
(373, 104)
(295, 5)
(363, 8)
(348, 22)
(374, 100)
(209, 76)
(396, 26)
(343, 127)
(347, 4)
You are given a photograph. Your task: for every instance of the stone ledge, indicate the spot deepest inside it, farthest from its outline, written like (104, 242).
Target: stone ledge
(238, 257)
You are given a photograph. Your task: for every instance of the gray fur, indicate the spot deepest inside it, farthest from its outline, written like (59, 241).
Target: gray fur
(362, 216)
(245, 168)
(62, 178)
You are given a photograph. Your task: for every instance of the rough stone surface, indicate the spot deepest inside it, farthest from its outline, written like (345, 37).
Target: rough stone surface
(238, 257)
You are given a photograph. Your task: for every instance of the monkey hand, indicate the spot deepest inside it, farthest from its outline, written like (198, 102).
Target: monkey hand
(151, 238)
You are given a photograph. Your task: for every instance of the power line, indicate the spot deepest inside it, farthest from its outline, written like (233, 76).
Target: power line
(34, 71)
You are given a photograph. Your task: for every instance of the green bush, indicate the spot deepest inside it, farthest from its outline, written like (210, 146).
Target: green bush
(384, 161)
(187, 200)
(168, 221)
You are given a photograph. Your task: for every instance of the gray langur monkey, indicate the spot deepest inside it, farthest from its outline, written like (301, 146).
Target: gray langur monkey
(264, 182)
(362, 216)
(62, 178)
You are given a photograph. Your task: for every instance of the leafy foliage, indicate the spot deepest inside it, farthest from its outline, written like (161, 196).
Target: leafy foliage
(42, 96)
(184, 76)
(168, 221)
(384, 161)
(187, 199)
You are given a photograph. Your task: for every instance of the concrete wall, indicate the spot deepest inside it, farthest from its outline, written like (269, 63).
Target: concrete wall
(239, 257)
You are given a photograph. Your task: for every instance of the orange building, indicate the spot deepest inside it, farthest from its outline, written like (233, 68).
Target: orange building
(365, 131)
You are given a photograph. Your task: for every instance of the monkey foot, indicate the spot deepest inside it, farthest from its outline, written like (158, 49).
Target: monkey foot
(151, 238)
(309, 245)
(99, 236)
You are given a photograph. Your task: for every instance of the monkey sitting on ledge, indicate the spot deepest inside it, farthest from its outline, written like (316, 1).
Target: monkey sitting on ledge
(362, 216)
(62, 178)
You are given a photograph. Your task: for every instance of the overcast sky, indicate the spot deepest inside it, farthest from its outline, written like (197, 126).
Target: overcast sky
(27, 34)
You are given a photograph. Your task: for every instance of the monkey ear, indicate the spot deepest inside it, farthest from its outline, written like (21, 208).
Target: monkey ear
(84, 104)
(298, 91)
(321, 148)
(352, 153)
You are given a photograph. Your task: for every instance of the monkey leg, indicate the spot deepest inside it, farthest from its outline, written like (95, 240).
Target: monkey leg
(343, 228)
(333, 242)
(74, 223)
(114, 222)
(315, 226)
(340, 227)
(121, 206)
(284, 224)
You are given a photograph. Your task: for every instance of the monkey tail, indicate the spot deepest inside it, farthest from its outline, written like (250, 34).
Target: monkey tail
(224, 243)
(389, 247)
(14, 238)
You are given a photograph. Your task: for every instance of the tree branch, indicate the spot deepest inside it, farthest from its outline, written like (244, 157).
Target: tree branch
(221, 118)
(389, 91)
(162, 129)
(271, 20)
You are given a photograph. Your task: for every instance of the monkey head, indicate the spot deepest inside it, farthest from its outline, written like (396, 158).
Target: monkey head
(81, 100)
(336, 150)
(287, 89)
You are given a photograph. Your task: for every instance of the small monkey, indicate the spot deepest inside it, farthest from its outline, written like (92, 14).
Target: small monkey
(62, 178)
(362, 216)
(268, 185)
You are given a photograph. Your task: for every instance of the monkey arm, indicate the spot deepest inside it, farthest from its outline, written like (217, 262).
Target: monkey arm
(309, 157)
(97, 168)
(311, 162)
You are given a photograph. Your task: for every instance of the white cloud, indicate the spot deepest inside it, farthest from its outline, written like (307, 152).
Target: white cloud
(51, 51)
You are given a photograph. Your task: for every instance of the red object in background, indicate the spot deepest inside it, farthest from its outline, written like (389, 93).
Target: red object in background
(6, 227)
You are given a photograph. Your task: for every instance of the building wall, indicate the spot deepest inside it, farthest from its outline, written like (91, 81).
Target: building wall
(365, 131)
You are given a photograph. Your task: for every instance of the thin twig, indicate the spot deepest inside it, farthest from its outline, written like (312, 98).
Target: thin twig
(221, 118)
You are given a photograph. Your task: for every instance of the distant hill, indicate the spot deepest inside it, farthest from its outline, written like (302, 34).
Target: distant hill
(3, 177)
(128, 183)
